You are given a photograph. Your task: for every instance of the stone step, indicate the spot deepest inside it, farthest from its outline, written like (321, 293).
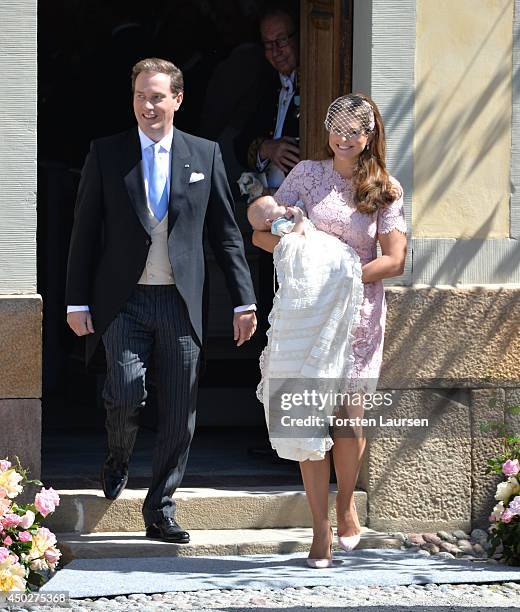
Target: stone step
(215, 542)
(88, 511)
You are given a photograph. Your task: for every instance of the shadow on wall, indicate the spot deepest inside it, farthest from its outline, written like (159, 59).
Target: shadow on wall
(442, 142)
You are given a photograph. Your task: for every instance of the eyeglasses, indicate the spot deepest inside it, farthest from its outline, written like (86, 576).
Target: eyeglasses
(280, 43)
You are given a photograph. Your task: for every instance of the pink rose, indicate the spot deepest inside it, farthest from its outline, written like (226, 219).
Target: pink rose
(511, 467)
(5, 505)
(4, 553)
(52, 556)
(507, 515)
(24, 536)
(27, 519)
(10, 520)
(8, 541)
(4, 465)
(514, 505)
(46, 501)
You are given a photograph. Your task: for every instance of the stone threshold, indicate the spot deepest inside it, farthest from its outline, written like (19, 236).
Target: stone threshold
(215, 542)
(88, 511)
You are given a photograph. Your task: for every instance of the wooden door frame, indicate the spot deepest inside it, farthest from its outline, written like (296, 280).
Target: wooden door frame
(333, 17)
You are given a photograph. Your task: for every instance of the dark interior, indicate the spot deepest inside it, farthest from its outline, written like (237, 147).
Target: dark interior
(86, 51)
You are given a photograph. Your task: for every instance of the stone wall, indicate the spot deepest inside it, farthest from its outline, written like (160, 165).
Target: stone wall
(20, 307)
(453, 355)
(20, 380)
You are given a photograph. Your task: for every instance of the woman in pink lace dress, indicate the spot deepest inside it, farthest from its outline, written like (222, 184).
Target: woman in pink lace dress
(349, 195)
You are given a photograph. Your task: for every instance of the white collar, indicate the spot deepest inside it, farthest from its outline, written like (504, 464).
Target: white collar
(165, 143)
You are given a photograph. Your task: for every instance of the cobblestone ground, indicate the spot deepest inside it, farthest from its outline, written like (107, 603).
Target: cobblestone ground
(441, 598)
(496, 596)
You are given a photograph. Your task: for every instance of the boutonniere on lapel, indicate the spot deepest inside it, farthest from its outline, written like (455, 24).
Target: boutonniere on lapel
(195, 177)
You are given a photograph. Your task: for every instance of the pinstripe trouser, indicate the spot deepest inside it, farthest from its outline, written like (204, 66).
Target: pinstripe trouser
(154, 321)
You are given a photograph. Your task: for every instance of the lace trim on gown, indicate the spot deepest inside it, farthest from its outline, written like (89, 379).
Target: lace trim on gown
(314, 314)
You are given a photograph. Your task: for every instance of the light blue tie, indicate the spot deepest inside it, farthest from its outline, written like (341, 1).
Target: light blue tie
(157, 191)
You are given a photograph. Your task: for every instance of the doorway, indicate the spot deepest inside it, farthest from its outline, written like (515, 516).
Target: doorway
(86, 51)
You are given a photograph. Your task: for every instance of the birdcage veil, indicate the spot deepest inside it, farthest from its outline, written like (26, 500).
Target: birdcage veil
(348, 115)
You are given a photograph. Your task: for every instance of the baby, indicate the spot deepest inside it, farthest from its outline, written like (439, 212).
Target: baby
(265, 214)
(319, 294)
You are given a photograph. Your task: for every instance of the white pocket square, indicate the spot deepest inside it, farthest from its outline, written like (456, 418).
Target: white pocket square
(196, 176)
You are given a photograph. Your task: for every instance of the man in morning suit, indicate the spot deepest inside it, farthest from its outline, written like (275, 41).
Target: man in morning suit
(269, 141)
(136, 277)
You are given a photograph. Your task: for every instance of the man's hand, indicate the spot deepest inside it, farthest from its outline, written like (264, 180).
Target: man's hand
(80, 322)
(283, 152)
(244, 326)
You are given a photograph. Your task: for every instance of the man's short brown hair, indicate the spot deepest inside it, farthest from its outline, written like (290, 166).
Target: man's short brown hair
(155, 64)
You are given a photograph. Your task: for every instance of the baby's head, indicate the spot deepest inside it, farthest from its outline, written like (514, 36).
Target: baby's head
(263, 211)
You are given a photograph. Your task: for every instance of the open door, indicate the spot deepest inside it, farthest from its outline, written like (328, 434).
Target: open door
(325, 59)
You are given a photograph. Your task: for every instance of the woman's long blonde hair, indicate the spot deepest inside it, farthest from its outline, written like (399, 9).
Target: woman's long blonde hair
(373, 188)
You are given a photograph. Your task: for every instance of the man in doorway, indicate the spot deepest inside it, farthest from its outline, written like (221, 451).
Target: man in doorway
(269, 142)
(136, 277)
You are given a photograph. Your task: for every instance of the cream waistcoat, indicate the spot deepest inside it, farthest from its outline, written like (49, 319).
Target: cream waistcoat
(158, 269)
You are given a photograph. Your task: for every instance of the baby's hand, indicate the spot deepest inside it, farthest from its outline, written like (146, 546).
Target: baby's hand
(295, 212)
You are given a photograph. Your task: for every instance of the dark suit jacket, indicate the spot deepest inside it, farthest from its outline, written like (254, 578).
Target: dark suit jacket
(110, 242)
(262, 122)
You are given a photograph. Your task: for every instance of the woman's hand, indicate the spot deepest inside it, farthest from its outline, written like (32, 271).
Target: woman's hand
(391, 262)
(265, 240)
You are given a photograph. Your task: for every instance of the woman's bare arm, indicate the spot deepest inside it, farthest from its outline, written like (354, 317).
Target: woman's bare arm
(265, 240)
(391, 262)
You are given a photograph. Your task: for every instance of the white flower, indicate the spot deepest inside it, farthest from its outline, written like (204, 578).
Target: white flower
(42, 540)
(252, 184)
(12, 575)
(10, 482)
(497, 512)
(506, 489)
(38, 565)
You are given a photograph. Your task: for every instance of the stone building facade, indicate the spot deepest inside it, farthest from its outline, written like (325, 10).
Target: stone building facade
(446, 76)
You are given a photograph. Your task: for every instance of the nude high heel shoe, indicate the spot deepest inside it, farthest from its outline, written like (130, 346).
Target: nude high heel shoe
(322, 563)
(348, 543)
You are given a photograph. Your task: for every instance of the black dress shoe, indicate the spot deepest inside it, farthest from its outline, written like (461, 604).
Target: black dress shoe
(168, 530)
(114, 477)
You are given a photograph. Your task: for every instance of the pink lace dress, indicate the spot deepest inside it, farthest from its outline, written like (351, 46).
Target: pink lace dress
(328, 200)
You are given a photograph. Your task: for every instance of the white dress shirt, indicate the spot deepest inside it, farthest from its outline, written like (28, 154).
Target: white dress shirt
(274, 175)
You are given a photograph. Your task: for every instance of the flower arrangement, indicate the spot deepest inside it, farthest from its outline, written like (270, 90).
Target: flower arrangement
(28, 552)
(252, 184)
(505, 517)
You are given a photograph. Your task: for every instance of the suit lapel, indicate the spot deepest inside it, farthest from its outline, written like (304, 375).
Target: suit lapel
(133, 177)
(180, 174)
